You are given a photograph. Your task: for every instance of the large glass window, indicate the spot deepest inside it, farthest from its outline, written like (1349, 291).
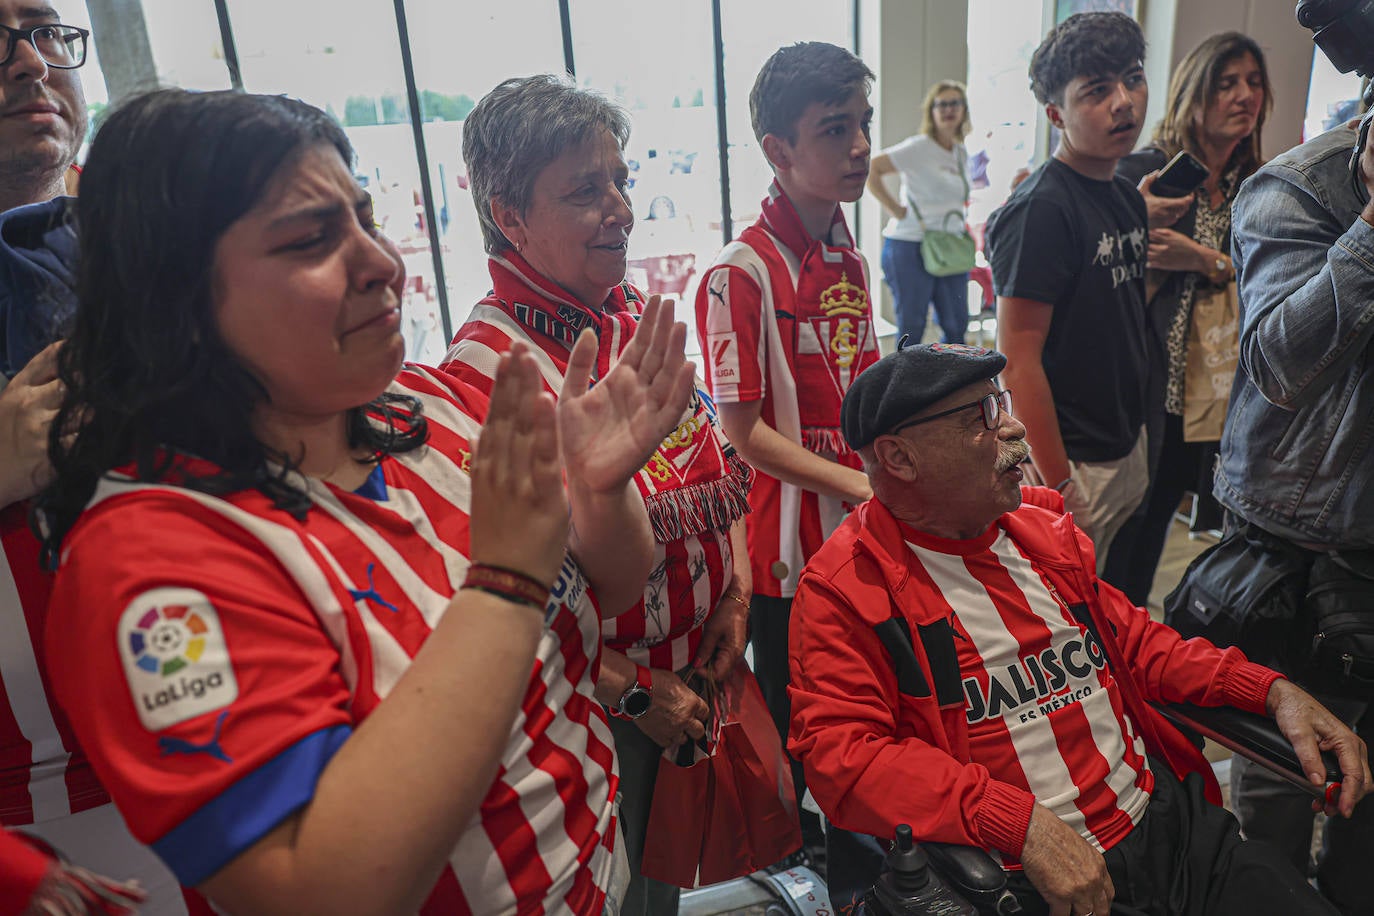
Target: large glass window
(1003, 110)
(655, 57)
(92, 79)
(185, 38)
(752, 32)
(350, 65)
(461, 53)
(1332, 97)
(673, 159)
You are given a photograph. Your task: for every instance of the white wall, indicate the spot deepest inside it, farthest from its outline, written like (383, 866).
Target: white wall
(1173, 27)
(909, 44)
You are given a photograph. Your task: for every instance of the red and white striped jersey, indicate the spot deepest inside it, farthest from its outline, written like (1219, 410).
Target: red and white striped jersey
(43, 773)
(1044, 712)
(216, 652)
(751, 358)
(691, 572)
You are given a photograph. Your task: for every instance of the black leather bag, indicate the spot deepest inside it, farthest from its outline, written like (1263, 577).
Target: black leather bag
(1248, 590)
(1340, 600)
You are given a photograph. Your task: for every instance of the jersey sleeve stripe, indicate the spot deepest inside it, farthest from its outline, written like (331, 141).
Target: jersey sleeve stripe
(249, 809)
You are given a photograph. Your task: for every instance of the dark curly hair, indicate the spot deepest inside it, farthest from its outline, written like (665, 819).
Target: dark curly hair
(1085, 44)
(148, 377)
(797, 75)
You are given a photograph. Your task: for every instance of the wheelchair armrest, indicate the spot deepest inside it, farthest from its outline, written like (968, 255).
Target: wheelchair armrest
(1254, 737)
(974, 874)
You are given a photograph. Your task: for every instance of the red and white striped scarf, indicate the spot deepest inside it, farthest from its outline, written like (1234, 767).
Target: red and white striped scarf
(693, 483)
(833, 320)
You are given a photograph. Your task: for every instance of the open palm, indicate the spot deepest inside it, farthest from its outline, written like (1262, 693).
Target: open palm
(607, 432)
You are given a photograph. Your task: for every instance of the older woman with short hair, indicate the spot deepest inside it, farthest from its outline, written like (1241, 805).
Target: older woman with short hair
(549, 180)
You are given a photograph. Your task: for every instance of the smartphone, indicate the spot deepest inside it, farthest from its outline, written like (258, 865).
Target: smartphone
(1182, 176)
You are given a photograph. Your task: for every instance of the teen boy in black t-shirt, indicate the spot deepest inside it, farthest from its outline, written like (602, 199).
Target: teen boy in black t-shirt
(1068, 264)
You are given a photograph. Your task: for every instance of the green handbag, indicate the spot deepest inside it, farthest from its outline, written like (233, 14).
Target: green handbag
(946, 253)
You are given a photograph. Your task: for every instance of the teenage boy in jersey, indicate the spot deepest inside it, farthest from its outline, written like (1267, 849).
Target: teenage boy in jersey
(1068, 265)
(958, 666)
(785, 326)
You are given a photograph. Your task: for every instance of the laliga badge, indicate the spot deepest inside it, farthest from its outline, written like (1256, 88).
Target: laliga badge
(172, 647)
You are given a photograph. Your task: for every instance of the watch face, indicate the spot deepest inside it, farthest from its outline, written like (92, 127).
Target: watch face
(636, 703)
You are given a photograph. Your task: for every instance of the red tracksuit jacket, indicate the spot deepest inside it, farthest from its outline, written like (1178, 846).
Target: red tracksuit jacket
(875, 757)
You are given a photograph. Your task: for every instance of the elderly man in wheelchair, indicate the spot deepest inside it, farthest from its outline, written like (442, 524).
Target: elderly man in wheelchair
(957, 666)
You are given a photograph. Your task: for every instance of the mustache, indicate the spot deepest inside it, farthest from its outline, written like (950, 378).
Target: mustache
(40, 97)
(1011, 454)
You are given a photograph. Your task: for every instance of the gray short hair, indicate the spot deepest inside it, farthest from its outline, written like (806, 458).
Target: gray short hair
(518, 129)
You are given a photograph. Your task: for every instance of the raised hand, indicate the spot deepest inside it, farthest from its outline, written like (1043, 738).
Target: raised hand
(519, 516)
(609, 431)
(1162, 211)
(28, 405)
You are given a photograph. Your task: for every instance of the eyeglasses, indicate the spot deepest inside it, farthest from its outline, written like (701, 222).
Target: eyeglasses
(993, 405)
(62, 47)
(947, 103)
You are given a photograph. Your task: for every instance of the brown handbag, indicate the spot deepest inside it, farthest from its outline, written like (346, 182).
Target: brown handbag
(1210, 366)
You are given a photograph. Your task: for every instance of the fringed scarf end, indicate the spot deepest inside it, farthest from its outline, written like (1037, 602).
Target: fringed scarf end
(823, 440)
(716, 504)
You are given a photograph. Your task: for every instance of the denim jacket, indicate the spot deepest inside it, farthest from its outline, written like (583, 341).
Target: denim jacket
(1296, 456)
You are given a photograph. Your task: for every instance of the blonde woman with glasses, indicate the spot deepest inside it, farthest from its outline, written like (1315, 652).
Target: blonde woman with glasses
(933, 166)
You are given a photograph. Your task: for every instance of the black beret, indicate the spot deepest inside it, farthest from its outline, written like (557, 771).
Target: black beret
(908, 381)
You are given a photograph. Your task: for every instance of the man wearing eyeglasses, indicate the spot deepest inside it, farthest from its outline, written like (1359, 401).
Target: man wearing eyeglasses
(957, 666)
(42, 107)
(48, 789)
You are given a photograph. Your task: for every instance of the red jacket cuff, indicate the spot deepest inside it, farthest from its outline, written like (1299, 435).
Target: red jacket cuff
(1003, 817)
(1247, 686)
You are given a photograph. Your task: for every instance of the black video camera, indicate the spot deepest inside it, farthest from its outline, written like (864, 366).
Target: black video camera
(1344, 30)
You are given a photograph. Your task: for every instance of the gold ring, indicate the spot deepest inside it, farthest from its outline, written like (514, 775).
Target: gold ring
(736, 596)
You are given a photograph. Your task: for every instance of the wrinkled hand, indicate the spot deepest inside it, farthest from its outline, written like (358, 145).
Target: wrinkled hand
(1311, 728)
(677, 713)
(1172, 250)
(28, 405)
(609, 431)
(1162, 211)
(1064, 868)
(724, 636)
(519, 517)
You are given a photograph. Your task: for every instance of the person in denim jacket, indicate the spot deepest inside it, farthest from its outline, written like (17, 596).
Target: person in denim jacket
(1296, 453)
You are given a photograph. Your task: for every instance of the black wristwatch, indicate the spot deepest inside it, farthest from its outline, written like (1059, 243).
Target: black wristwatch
(638, 697)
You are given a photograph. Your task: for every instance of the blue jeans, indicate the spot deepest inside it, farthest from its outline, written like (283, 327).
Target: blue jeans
(915, 290)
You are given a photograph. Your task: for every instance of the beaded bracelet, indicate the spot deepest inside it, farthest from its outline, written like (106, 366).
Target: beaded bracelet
(507, 583)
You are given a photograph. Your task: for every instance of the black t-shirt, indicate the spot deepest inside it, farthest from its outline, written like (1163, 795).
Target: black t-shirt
(1079, 245)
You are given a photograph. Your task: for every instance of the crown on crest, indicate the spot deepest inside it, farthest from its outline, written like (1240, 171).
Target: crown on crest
(845, 298)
